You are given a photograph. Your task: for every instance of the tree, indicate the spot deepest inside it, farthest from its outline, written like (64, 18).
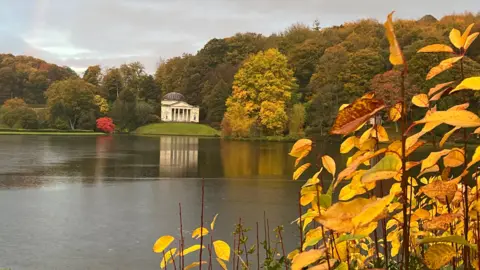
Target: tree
(72, 100)
(149, 90)
(296, 120)
(131, 74)
(112, 84)
(15, 113)
(387, 87)
(215, 101)
(93, 75)
(262, 79)
(105, 124)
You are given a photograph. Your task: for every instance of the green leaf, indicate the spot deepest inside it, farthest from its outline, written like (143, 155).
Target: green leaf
(388, 167)
(348, 237)
(449, 239)
(325, 200)
(342, 266)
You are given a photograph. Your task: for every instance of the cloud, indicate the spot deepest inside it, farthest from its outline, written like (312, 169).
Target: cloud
(80, 33)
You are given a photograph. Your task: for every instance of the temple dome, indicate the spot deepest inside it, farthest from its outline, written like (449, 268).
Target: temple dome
(174, 96)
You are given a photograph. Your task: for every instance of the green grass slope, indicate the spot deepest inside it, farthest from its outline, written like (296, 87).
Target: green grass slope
(187, 129)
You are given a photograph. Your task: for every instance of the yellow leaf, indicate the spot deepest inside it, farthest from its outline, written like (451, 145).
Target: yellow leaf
(434, 168)
(457, 118)
(346, 193)
(191, 249)
(467, 33)
(292, 254)
(440, 189)
(367, 230)
(472, 83)
(298, 172)
(447, 135)
(162, 243)
(477, 131)
(355, 114)
(432, 159)
(301, 146)
(422, 213)
(199, 232)
(307, 198)
(470, 40)
(395, 112)
(475, 158)
(306, 258)
(455, 158)
(303, 155)
(420, 100)
(388, 167)
(382, 133)
(312, 237)
(329, 164)
(354, 164)
(343, 106)
(456, 38)
(194, 264)
(365, 136)
(372, 211)
(314, 180)
(348, 144)
(396, 55)
(324, 265)
(222, 264)
(212, 225)
(439, 255)
(168, 255)
(444, 65)
(222, 250)
(460, 107)
(436, 48)
(441, 222)
(340, 252)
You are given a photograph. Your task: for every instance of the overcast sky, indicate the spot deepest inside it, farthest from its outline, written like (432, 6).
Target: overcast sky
(79, 33)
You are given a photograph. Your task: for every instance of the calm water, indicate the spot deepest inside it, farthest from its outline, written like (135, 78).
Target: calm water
(101, 202)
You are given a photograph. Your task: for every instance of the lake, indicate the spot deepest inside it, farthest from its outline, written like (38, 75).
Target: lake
(101, 202)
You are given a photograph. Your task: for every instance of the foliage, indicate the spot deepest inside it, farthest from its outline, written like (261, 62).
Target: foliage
(93, 75)
(296, 120)
(262, 79)
(101, 103)
(106, 124)
(72, 101)
(16, 114)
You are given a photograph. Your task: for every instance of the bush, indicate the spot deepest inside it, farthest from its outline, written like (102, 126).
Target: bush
(16, 113)
(105, 124)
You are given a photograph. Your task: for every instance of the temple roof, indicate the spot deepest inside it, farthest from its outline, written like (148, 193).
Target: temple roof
(174, 96)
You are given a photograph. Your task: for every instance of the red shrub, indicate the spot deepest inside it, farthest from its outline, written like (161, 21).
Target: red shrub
(105, 124)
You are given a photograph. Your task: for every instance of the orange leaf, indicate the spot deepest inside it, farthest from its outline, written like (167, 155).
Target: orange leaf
(456, 38)
(420, 100)
(436, 48)
(306, 258)
(298, 172)
(444, 65)
(348, 144)
(455, 158)
(355, 114)
(432, 159)
(438, 87)
(396, 55)
(300, 147)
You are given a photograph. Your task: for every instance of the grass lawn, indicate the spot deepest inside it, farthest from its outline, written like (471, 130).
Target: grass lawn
(72, 133)
(188, 129)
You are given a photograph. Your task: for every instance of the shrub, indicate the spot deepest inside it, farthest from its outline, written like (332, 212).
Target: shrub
(106, 124)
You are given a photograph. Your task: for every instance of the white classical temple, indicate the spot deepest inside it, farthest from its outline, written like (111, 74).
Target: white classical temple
(175, 109)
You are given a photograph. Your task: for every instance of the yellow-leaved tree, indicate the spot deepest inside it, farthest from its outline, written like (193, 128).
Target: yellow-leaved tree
(263, 88)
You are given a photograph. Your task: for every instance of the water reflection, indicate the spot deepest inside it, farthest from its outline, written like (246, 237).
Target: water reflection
(178, 156)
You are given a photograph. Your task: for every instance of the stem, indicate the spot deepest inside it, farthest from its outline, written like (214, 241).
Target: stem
(244, 245)
(466, 248)
(201, 225)
(209, 256)
(300, 221)
(283, 248)
(449, 209)
(268, 233)
(478, 226)
(258, 250)
(182, 243)
(234, 245)
(323, 231)
(239, 241)
(404, 183)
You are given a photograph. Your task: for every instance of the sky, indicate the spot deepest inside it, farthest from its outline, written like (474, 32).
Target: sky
(80, 33)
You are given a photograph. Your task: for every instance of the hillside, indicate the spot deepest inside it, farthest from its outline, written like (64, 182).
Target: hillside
(186, 129)
(28, 77)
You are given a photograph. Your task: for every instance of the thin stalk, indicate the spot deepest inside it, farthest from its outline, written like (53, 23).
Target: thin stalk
(449, 209)
(182, 240)
(268, 233)
(300, 221)
(209, 256)
(244, 244)
(234, 245)
(404, 183)
(323, 231)
(478, 226)
(466, 248)
(283, 248)
(258, 250)
(239, 241)
(201, 226)
(163, 259)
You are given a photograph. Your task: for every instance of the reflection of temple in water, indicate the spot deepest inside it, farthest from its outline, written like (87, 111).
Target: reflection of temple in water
(178, 156)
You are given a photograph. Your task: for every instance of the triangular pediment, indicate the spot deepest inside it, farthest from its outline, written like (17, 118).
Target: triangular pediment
(179, 104)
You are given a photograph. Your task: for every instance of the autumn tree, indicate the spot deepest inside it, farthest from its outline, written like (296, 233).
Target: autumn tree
(112, 84)
(15, 113)
(72, 101)
(215, 101)
(93, 75)
(264, 86)
(149, 90)
(296, 120)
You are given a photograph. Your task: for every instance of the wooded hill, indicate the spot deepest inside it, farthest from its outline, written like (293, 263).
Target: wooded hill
(332, 66)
